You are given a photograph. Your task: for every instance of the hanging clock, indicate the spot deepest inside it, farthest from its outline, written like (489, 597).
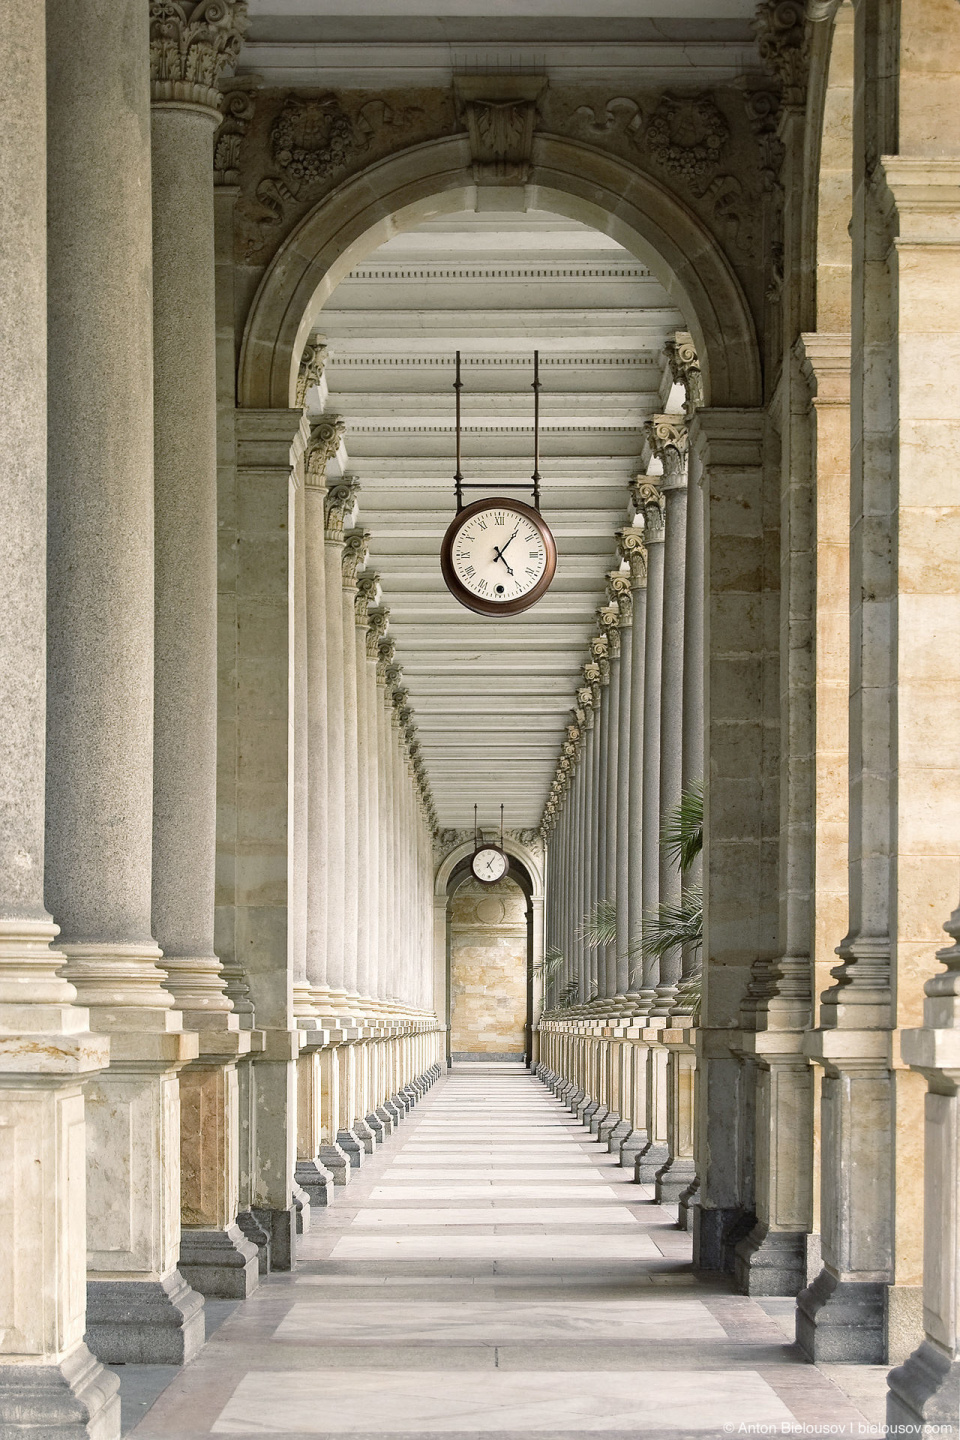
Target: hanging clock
(498, 557)
(489, 864)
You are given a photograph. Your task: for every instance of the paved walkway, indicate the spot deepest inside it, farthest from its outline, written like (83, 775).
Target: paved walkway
(492, 1273)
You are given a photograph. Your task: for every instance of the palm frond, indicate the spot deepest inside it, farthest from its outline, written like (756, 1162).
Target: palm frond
(672, 927)
(551, 962)
(600, 926)
(569, 995)
(690, 996)
(681, 833)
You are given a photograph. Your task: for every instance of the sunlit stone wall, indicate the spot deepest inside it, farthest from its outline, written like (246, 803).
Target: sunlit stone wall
(488, 969)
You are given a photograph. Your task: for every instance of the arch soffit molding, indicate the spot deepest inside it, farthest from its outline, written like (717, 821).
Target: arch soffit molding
(527, 859)
(569, 178)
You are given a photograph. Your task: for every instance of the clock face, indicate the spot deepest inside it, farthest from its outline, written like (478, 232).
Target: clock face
(489, 864)
(498, 557)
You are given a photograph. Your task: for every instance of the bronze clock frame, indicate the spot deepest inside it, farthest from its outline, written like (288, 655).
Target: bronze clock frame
(476, 603)
(488, 845)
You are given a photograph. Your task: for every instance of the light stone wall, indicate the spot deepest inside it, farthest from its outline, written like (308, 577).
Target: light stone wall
(488, 969)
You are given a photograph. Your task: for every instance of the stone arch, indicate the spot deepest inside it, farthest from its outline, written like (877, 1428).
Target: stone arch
(513, 847)
(568, 178)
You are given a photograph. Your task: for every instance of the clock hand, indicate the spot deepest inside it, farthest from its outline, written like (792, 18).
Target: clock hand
(511, 540)
(498, 555)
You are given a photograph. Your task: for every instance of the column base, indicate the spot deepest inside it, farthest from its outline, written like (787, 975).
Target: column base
(630, 1147)
(711, 1235)
(301, 1207)
(251, 1229)
(925, 1390)
(75, 1400)
(842, 1321)
(316, 1181)
(377, 1127)
(597, 1118)
(221, 1264)
(365, 1135)
(616, 1135)
(673, 1179)
(688, 1205)
(281, 1226)
(337, 1161)
(144, 1322)
(771, 1262)
(352, 1146)
(649, 1161)
(387, 1120)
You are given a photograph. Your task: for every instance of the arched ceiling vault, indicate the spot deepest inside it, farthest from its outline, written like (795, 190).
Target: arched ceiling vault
(491, 697)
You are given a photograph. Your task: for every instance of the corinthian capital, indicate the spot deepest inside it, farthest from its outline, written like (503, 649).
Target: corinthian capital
(368, 593)
(325, 437)
(356, 547)
(685, 368)
(648, 502)
(340, 502)
(667, 435)
(191, 43)
(781, 40)
(310, 373)
(632, 549)
(386, 657)
(378, 621)
(619, 587)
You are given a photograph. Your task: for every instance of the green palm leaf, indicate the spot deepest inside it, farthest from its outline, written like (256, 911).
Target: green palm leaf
(600, 926)
(681, 833)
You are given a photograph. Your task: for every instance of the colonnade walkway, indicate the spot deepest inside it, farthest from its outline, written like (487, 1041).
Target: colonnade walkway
(492, 1271)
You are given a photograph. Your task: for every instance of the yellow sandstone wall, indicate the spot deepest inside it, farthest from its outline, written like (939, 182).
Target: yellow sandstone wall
(488, 968)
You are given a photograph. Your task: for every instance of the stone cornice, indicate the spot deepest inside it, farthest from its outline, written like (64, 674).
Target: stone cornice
(191, 43)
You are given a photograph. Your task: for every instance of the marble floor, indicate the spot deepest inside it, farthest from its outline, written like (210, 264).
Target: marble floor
(491, 1272)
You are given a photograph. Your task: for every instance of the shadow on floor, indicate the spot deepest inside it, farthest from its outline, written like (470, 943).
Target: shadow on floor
(141, 1385)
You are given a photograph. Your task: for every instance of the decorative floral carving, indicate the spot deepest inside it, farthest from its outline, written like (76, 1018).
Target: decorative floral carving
(191, 43)
(621, 113)
(763, 106)
(311, 138)
(238, 110)
(687, 135)
(781, 37)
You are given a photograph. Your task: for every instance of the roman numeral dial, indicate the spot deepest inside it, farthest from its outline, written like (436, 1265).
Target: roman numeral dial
(498, 557)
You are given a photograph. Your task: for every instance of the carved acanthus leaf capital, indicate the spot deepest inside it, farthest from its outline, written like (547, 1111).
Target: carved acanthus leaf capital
(356, 547)
(340, 503)
(685, 368)
(667, 436)
(585, 696)
(619, 591)
(191, 43)
(368, 593)
(325, 438)
(648, 501)
(385, 660)
(634, 551)
(377, 621)
(310, 373)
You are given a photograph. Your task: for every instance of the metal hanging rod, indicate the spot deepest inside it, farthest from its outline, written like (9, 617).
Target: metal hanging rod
(534, 482)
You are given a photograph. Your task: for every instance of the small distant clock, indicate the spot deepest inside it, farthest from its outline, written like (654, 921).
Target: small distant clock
(498, 557)
(489, 864)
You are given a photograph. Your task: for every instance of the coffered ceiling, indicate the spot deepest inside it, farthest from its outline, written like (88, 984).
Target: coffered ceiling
(491, 697)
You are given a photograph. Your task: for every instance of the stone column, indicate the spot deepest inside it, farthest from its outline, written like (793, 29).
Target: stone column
(215, 1258)
(587, 828)
(49, 1381)
(340, 505)
(632, 548)
(270, 446)
(669, 441)
(926, 1389)
(610, 618)
(100, 675)
(354, 556)
(740, 841)
(648, 501)
(620, 587)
